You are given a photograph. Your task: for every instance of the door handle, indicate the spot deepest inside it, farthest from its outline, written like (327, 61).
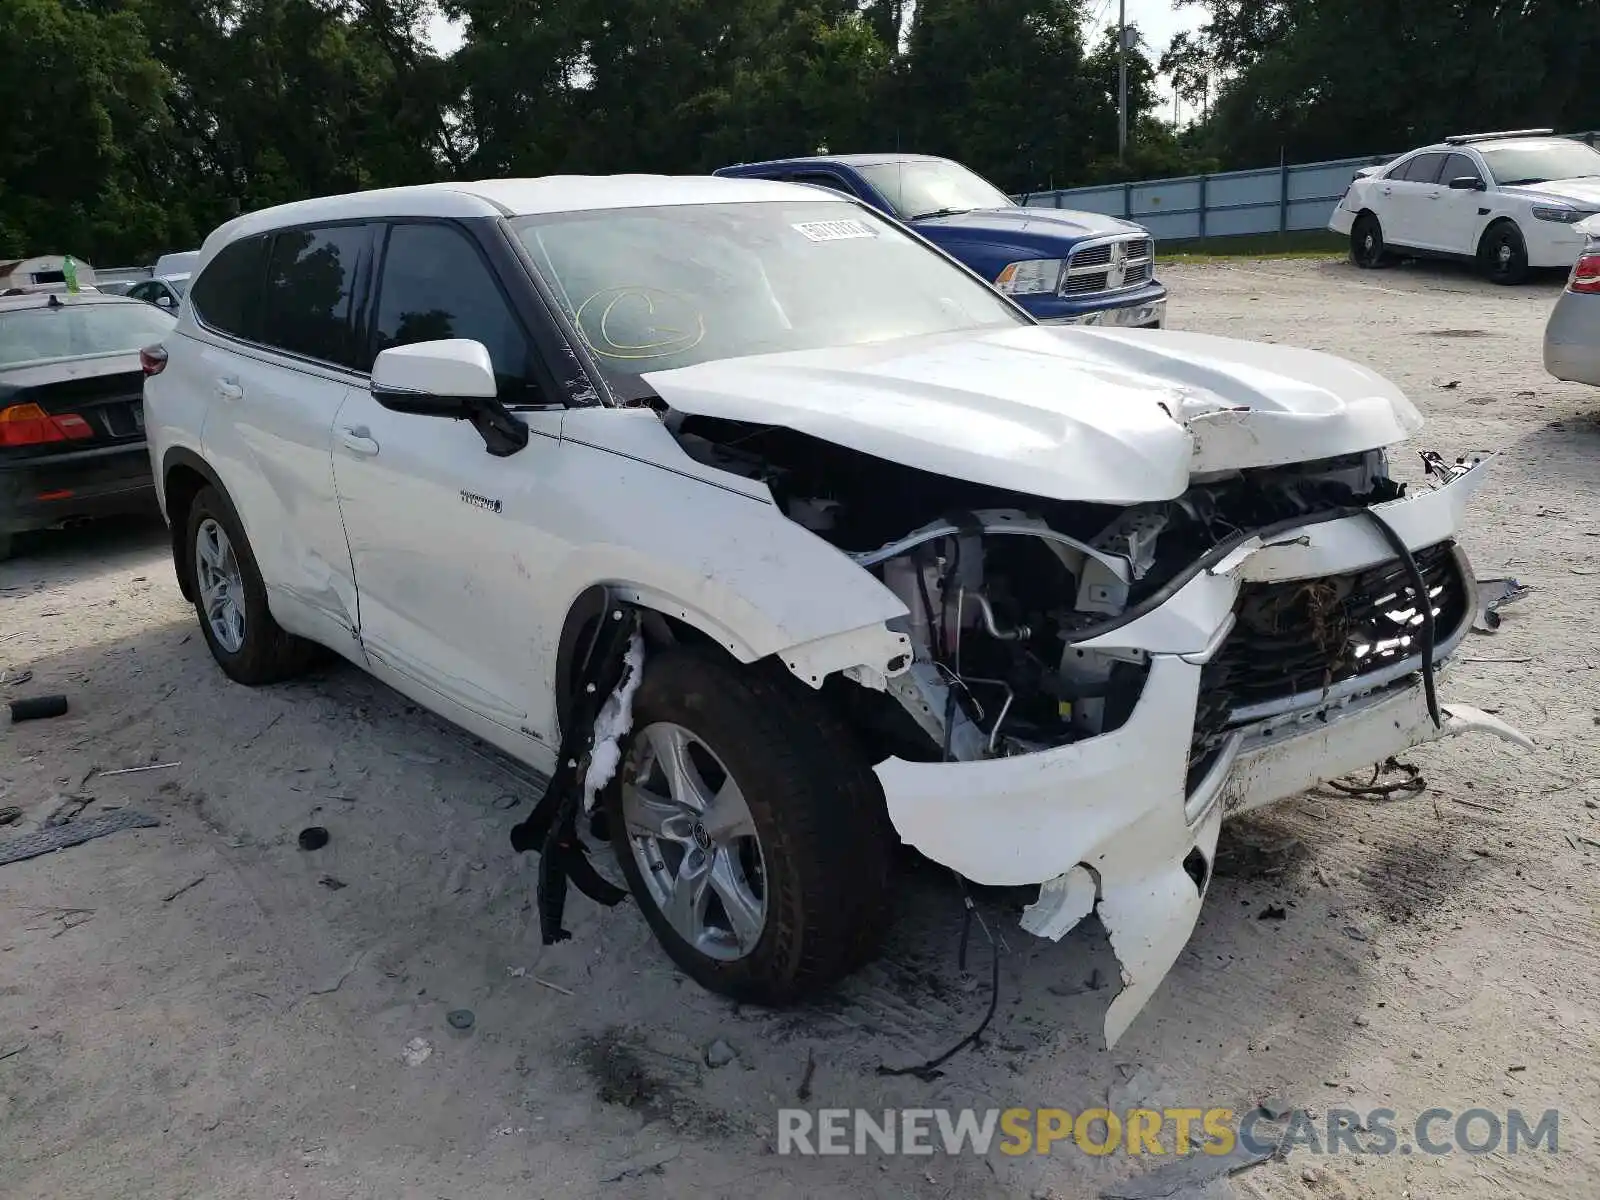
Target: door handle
(1433, 195)
(229, 389)
(1388, 191)
(358, 440)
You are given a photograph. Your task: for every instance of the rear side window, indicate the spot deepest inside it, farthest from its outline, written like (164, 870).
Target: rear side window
(311, 281)
(435, 285)
(1424, 168)
(227, 296)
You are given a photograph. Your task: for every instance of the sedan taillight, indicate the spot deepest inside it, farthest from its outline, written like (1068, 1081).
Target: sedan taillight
(1586, 274)
(30, 425)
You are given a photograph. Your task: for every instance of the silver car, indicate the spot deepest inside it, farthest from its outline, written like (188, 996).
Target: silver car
(1572, 335)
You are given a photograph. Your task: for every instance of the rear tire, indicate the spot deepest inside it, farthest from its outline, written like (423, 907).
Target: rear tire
(1503, 255)
(805, 859)
(1367, 248)
(231, 600)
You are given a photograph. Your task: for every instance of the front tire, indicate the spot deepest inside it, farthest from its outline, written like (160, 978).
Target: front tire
(1503, 255)
(750, 829)
(231, 600)
(1367, 248)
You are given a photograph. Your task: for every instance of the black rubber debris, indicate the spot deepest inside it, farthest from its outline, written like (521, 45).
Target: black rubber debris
(43, 841)
(313, 837)
(460, 1018)
(35, 708)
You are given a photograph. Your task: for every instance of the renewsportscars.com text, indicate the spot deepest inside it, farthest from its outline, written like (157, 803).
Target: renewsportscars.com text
(1151, 1131)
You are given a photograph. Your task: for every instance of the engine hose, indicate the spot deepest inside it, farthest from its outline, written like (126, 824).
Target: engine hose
(1419, 587)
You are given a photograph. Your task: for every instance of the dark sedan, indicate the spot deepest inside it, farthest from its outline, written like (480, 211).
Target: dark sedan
(71, 408)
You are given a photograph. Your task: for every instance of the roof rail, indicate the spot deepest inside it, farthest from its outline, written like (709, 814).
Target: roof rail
(1460, 139)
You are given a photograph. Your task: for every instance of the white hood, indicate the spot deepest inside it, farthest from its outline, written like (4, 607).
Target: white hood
(1114, 416)
(1581, 193)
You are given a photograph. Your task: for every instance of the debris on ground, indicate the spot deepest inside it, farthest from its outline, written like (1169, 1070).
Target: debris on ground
(1273, 912)
(36, 708)
(1493, 595)
(460, 1018)
(1273, 1108)
(45, 841)
(67, 809)
(641, 1164)
(720, 1054)
(1412, 784)
(17, 680)
(803, 1092)
(10, 815)
(313, 837)
(176, 892)
(97, 773)
(331, 883)
(416, 1052)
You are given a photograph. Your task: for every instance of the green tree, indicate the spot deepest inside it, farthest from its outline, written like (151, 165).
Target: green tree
(82, 98)
(1328, 78)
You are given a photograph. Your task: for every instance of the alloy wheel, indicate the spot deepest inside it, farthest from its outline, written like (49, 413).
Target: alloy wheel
(694, 841)
(221, 585)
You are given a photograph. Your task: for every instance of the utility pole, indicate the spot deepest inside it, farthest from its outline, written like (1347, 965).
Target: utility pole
(1122, 79)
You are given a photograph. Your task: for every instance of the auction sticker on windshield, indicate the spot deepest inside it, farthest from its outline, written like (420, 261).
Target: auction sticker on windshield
(834, 231)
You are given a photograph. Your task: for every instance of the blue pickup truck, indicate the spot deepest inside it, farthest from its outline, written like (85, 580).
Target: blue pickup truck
(1064, 267)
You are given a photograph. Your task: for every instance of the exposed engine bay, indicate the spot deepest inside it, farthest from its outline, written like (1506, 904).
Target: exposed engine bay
(1003, 589)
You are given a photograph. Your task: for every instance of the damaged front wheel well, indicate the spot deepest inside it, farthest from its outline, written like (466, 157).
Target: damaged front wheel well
(660, 631)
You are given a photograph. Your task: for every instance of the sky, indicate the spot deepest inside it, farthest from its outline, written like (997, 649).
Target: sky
(1157, 21)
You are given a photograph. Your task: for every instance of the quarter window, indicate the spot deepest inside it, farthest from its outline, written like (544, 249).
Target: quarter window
(311, 279)
(227, 296)
(435, 285)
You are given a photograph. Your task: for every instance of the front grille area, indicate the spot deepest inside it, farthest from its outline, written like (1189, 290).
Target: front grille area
(1112, 266)
(1310, 634)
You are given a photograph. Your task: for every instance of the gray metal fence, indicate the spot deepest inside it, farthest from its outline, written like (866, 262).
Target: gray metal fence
(1293, 196)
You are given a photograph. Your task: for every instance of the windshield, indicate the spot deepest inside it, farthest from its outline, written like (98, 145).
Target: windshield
(1540, 162)
(938, 188)
(650, 289)
(29, 335)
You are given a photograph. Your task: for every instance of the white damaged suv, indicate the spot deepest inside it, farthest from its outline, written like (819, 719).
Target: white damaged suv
(1048, 604)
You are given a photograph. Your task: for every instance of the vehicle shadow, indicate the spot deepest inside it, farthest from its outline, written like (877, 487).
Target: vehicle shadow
(78, 552)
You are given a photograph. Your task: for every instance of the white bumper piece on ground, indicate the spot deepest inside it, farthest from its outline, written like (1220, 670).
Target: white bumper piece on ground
(1109, 823)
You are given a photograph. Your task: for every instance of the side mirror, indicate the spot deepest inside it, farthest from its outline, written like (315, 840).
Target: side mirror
(165, 301)
(454, 378)
(1467, 183)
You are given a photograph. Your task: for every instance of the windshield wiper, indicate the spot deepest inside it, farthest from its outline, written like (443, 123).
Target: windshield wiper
(1522, 182)
(939, 212)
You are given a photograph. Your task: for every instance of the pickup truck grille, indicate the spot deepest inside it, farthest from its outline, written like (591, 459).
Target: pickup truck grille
(1114, 265)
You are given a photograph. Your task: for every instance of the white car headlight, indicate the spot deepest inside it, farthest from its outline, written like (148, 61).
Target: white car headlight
(1033, 277)
(1566, 216)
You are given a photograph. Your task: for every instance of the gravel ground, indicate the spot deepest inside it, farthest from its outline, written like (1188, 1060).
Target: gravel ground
(204, 1009)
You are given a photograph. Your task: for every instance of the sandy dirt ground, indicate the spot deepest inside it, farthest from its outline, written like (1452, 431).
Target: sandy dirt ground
(203, 1009)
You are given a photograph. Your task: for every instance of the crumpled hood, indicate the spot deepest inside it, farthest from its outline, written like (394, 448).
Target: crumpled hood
(1034, 228)
(1114, 416)
(1582, 193)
